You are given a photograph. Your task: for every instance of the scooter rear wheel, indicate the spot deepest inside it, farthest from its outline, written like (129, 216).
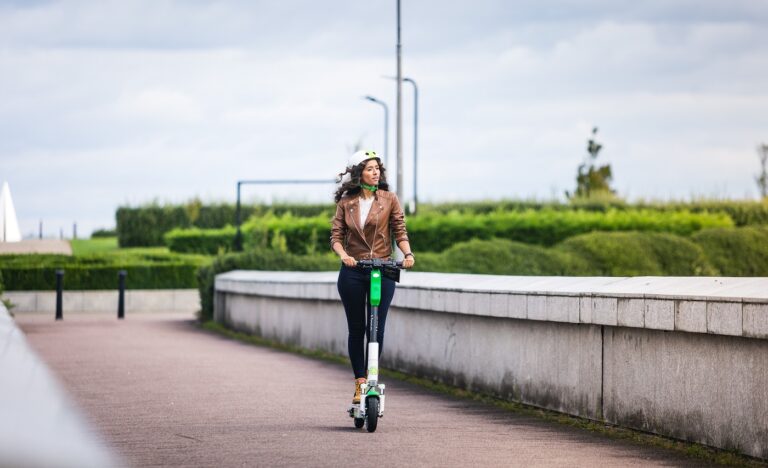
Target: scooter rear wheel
(359, 422)
(371, 413)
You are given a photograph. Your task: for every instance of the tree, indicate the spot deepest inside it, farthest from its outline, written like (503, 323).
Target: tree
(762, 178)
(592, 181)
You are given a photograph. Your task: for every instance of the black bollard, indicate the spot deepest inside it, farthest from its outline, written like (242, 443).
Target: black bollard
(59, 295)
(121, 294)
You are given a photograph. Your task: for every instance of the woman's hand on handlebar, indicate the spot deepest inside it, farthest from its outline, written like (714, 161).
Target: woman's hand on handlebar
(348, 261)
(408, 261)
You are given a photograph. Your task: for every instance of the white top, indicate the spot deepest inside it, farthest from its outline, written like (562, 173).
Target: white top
(365, 208)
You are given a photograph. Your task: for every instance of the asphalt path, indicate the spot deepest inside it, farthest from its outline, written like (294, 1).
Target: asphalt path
(163, 392)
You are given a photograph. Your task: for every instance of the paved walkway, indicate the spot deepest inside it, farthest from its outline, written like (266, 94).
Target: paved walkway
(165, 393)
(36, 246)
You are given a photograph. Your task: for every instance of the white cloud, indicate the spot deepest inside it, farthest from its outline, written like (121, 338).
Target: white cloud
(103, 103)
(162, 105)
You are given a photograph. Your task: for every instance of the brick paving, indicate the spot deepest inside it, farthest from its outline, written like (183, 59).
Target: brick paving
(165, 393)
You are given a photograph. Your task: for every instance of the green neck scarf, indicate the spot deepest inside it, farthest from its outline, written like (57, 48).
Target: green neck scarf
(372, 188)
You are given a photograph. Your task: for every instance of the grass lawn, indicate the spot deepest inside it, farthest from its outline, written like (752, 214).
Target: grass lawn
(108, 245)
(97, 245)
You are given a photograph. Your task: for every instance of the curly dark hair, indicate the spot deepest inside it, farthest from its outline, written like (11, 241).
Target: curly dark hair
(352, 187)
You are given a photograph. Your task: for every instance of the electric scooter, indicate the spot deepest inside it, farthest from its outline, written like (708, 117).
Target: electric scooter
(371, 406)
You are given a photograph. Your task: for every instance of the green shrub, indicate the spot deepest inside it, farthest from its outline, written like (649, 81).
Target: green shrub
(104, 233)
(503, 257)
(298, 235)
(99, 271)
(202, 241)
(436, 232)
(490, 206)
(262, 259)
(638, 254)
(145, 225)
(548, 227)
(431, 262)
(286, 233)
(742, 212)
(593, 254)
(736, 252)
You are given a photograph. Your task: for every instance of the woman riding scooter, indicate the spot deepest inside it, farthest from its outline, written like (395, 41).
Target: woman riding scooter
(367, 217)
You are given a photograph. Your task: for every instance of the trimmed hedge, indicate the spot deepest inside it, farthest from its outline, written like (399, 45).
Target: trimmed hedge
(736, 252)
(99, 233)
(548, 227)
(262, 259)
(503, 257)
(201, 241)
(594, 254)
(742, 212)
(435, 233)
(288, 233)
(145, 226)
(99, 271)
(639, 254)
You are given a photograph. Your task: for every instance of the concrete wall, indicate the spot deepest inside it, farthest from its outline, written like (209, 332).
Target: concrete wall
(39, 426)
(136, 300)
(682, 357)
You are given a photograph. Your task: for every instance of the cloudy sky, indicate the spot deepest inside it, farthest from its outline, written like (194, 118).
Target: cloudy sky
(105, 103)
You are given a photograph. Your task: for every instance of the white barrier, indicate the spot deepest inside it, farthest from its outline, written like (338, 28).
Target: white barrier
(39, 426)
(682, 357)
(136, 300)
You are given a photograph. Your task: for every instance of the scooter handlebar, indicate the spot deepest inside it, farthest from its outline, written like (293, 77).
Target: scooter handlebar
(379, 263)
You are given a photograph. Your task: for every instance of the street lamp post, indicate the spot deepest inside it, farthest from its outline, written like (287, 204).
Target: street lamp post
(386, 125)
(399, 119)
(415, 142)
(415, 138)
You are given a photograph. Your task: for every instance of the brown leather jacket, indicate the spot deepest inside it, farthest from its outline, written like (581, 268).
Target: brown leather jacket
(372, 240)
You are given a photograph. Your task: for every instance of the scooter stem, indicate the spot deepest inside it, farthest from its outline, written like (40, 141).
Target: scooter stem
(373, 362)
(373, 345)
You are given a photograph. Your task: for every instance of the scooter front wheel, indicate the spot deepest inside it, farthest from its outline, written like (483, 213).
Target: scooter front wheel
(371, 414)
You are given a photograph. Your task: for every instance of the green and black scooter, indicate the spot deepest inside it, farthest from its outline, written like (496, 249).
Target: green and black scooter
(371, 406)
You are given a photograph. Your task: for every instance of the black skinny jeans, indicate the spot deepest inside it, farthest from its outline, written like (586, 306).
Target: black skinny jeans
(354, 285)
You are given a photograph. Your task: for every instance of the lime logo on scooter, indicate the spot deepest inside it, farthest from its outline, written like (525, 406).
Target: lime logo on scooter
(375, 288)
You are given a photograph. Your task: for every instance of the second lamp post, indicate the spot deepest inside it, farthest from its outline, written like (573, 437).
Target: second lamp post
(386, 126)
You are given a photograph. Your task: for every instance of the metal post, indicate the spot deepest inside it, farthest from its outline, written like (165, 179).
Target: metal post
(399, 111)
(40, 232)
(386, 134)
(121, 294)
(386, 127)
(239, 235)
(415, 142)
(59, 294)
(74, 230)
